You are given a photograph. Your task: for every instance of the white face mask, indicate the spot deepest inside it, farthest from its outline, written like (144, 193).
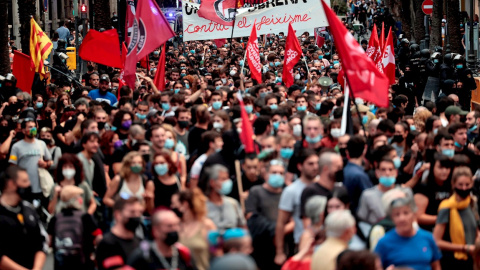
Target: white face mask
(224, 80)
(336, 132)
(297, 76)
(217, 125)
(68, 173)
(233, 72)
(297, 130)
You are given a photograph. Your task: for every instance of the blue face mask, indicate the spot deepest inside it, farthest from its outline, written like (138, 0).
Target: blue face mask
(413, 128)
(217, 105)
(261, 54)
(183, 75)
(318, 106)
(218, 87)
(320, 57)
(192, 51)
(141, 116)
(249, 108)
(313, 140)
(435, 61)
(278, 80)
(275, 125)
(161, 169)
(286, 153)
(364, 119)
(458, 145)
(39, 105)
(448, 152)
(262, 95)
(301, 108)
(165, 106)
(473, 128)
(397, 162)
(187, 86)
(226, 187)
(459, 66)
(371, 107)
(435, 131)
(335, 62)
(176, 91)
(271, 64)
(327, 53)
(241, 62)
(277, 64)
(180, 36)
(276, 180)
(274, 106)
(387, 181)
(169, 144)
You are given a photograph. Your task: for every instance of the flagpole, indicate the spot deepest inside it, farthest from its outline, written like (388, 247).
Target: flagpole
(233, 28)
(244, 58)
(356, 106)
(308, 70)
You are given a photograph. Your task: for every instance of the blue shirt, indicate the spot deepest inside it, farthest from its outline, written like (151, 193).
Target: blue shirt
(417, 252)
(108, 97)
(355, 180)
(63, 33)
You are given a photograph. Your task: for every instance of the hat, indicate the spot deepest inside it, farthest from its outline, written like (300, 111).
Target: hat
(454, 110)
(334, 86)
(235, 261)
(361, 108)
(151, 113)
(104, 77)
(69, 192)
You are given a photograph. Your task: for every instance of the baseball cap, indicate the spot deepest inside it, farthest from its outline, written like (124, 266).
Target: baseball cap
(104, 77)
(454, 110)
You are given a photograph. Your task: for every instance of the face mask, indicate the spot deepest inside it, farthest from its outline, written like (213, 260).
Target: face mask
(371, 107)
(297, 130)
(132, 224)
(177, 212)
(276, 180)
(176, 91)
(217, 125)
(39, 105)
(136, 169)
(101, 125)
(32, 132)
(186, 86)
(275, 125)
(233, 72)
(435, 61)
(448, 152)
(217, 105)
(314, 139)
(278, 79)
(335, 62)
(226, 187)
(146, 157)
(459, 66)
(277, 64)
(327, 53)
(165, 106)
(224, 80)
(274, 106)
(318, 106)
(261, 54)
(68, 173)
(126, 124)
(218, 87)
(320, 57)
(387, 181)
(183, 124)
(301, 108)
(297, 76)
(303, 39)
(435, 131)
(397, 162)
(141, 116)
(113, 128)
(169, 144)
(364, 119)
(183, 75)
(25, 193)
(458, 145)
(463, 193)
(413, 128)
(249, 108)
(171, 238)
(156, 52)
(161, 169)
(398, 138)
(241, 62)
(262, 95)
(180, 36)
(336, 132)
(192, 51)
(286, 153)
(473, 128)
(342, 152)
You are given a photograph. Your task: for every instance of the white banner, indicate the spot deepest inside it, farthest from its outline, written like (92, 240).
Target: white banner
(272, 17)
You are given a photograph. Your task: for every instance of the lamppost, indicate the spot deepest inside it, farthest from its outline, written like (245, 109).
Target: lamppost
(472, 59)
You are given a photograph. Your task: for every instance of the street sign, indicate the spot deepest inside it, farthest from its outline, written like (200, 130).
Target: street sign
(427, 7)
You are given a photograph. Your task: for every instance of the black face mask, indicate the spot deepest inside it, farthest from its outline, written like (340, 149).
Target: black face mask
(171, 238)
(146, 157)
(101, 125)
(463, 193)
(339, 176)
(25, 193)
(397, 138)
(343, 152)
(132, 223)
(177, 212)
(183, 124)
(47, 141)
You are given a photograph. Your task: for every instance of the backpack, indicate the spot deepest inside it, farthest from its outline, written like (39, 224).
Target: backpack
(69, 239)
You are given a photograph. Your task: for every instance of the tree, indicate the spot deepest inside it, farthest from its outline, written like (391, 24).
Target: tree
(453, 25)
(101, 11)
(436, 27)
(26, 9)
(4, 57)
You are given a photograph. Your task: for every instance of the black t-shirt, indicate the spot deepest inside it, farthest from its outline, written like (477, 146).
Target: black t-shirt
(119, 153)
(435, 195)
(163, 193)
(140, 261)
(21, 234)
(90, 230)
(194, 138)
(113, 251)
(310, 191)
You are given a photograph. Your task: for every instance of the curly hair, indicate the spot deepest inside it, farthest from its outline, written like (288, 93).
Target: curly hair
(420, 118)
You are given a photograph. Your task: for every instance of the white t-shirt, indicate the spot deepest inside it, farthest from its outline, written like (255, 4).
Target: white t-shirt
(197, 166)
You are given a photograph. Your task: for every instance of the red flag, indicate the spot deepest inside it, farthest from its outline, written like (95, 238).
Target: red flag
(319, 40)
(159, 79)
(372, 43)
(246, 136)
(293, 52)
(220, 42)
(253, 55)
(121, 80)
(382, 37)
(131, 28)
(24, 71)
(102, 48)
(150, 30)
(221, 12)
(364, 80)
(388, 59)
(144, 62)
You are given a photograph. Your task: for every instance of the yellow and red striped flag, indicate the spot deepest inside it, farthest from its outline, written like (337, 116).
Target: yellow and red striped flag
(40, 47)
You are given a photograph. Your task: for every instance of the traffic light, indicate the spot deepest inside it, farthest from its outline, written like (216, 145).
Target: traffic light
(83, 8)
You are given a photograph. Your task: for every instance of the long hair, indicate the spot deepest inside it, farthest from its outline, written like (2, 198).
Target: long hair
(196, 200)
(125, 171)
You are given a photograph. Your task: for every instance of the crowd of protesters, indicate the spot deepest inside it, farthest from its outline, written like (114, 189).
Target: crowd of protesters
(149, 179)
